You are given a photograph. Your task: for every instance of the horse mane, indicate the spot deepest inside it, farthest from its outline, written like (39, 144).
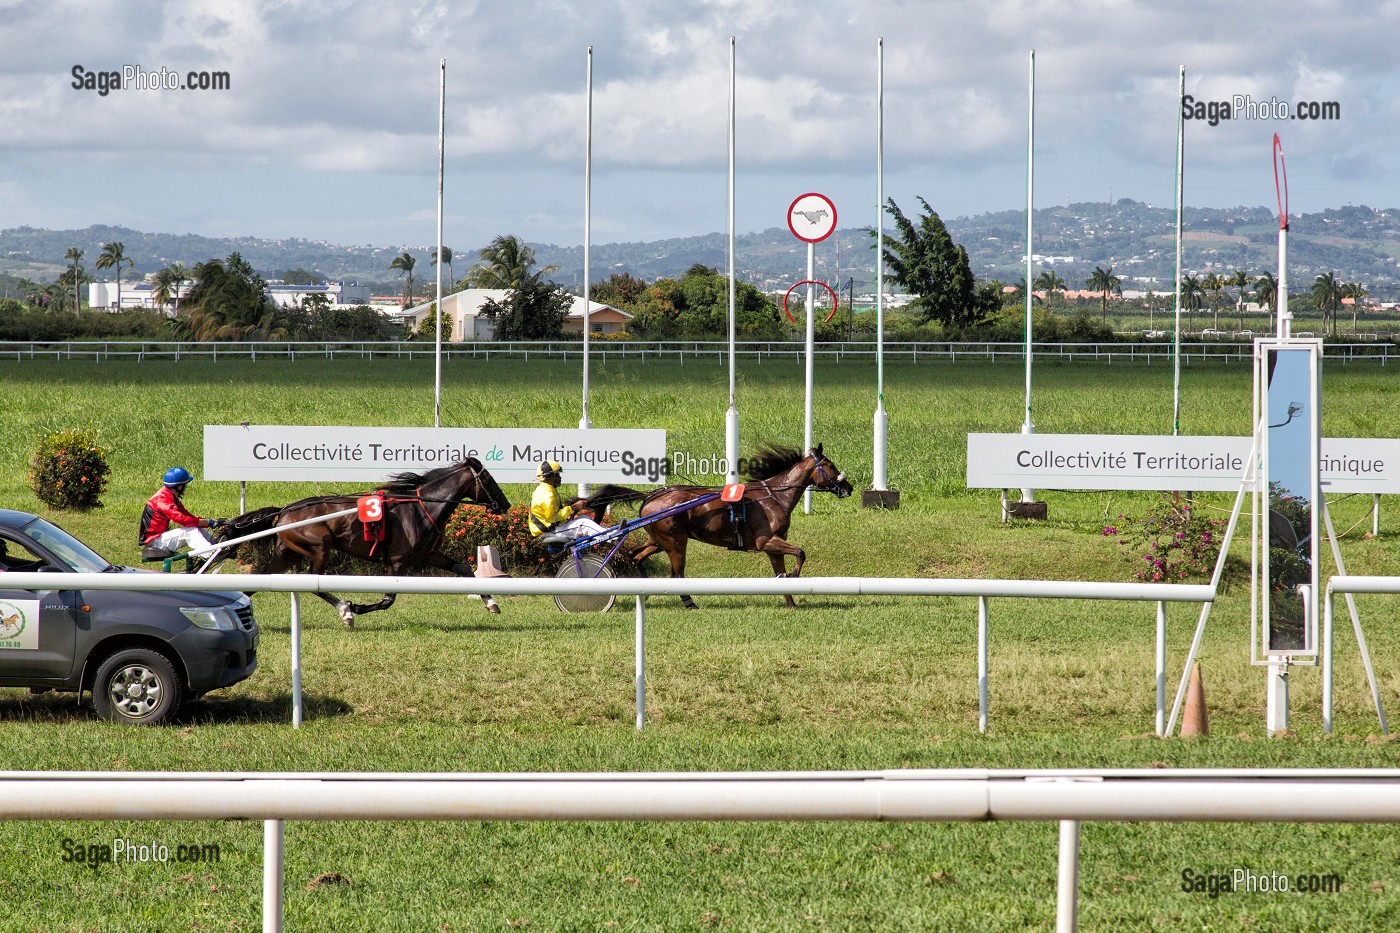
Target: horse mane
(408, 481)
(770, 460)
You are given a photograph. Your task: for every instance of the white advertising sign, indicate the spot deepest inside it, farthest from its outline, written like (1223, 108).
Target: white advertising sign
(19, 623)
(369, 455)
(1162, 462)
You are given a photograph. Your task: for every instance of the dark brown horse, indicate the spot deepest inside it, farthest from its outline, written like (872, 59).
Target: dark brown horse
(777, 478)
(416, 509)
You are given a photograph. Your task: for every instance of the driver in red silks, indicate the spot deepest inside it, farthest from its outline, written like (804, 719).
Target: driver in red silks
(166, 523)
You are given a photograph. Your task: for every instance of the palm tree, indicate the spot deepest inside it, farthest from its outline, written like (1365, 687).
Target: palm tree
(506, 264)
(1048, 282)
(75, 255)
(1266, 290)
(1213, 283)
(1326, 295)
(179, 275)
(113, 255)
(1241, 281)
(1357, 293)
(1192, 296)
(1105, 283)
(447, 258)
(405, 262)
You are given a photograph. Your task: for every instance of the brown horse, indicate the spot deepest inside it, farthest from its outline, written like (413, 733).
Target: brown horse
(416, 510)
(759, 522)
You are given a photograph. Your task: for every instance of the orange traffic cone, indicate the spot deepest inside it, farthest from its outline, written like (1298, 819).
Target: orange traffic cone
(488, 562)
(1193, 718)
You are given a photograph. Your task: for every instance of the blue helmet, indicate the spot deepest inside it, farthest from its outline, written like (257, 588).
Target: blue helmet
(177, 476)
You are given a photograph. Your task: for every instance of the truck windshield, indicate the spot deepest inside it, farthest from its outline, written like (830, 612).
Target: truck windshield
(69, 549)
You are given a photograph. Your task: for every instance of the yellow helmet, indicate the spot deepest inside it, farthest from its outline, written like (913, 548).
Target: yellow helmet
(548, 468)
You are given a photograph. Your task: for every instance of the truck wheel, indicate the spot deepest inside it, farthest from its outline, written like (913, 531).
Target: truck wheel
(136, 687)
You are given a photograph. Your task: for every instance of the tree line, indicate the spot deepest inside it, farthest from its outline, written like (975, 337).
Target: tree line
(228, 300)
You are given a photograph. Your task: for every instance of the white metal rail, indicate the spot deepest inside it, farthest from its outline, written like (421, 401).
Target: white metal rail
(1068, 796)
(1378, 352)
(983, 590)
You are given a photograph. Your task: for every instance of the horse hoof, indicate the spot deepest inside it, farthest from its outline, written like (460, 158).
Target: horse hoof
(347, 614)
(492, 608)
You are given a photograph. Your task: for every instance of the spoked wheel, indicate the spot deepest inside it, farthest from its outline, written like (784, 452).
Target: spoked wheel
(589, 566)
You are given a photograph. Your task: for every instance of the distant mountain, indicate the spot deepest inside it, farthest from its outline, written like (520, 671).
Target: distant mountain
(1355, 243)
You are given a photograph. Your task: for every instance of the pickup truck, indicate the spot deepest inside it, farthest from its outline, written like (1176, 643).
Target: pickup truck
(141, 654)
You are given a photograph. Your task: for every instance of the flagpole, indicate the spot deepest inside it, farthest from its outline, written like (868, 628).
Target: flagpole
(437, 316)
(1180, 168)
(1028, 495)
(584, 422)
(880, 480)
(731, 418)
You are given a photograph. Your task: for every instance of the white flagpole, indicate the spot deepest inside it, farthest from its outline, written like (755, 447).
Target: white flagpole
(731, 418)
(1176, 339)
(437, 322)
(584, 422)
(1028, 495)
(882, 423)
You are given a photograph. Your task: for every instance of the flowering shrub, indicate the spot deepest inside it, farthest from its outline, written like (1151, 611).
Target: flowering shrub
(69, 470)
(1174, 543)
(521, 555)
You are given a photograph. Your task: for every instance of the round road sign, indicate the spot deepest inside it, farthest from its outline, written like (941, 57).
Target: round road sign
(812, 217)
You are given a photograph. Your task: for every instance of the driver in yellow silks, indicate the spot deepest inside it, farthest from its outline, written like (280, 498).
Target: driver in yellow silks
(546, 514)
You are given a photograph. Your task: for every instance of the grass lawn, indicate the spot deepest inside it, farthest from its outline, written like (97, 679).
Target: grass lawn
(435, 684)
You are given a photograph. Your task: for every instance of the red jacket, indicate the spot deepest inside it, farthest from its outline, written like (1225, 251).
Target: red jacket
(163, 510)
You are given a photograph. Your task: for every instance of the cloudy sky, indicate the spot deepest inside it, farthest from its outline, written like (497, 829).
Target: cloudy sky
(328, 129)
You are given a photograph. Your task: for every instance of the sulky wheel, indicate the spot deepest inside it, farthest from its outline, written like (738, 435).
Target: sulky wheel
(588, 566)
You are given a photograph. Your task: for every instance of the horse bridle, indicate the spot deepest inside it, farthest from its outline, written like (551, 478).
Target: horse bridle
(831, 486)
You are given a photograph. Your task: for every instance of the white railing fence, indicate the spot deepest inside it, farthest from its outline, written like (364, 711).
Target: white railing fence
(664, 351)
(641, 588)
(1067, 796)
(1350, 586)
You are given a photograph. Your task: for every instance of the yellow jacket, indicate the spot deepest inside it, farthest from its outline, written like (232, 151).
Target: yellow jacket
(545, 510)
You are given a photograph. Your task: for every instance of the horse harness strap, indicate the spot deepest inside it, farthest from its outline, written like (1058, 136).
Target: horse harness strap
(733, 498)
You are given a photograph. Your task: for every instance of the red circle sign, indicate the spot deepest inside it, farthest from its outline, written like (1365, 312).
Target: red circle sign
(835, 302)
(812, 217)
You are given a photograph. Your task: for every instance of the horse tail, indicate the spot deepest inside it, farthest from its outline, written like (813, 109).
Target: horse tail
(611, 494)
(250, 523)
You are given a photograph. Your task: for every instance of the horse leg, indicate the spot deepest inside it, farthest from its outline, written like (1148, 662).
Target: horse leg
(676, 552)
(442, 562)
(777, 550)
(316, 554)
(285, 558)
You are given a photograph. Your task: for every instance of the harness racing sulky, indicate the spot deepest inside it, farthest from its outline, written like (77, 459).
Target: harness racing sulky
(750, 516)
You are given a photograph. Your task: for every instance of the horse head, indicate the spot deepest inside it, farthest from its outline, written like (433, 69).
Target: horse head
(486, 491)
(827, 475)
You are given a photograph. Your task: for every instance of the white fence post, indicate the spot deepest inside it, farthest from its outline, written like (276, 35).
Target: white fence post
(1067, 887)
(641, 661)
(1161, 669)
(273, 874)
(981, 664)
(296, 661)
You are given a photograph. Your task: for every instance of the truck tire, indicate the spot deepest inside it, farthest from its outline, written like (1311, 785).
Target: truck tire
(136, 687)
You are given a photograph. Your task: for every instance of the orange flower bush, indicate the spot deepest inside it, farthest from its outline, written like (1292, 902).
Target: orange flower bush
(69, 470)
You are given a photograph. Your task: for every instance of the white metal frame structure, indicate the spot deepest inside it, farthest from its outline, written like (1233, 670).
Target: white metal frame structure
(967, 795)
(641, 588)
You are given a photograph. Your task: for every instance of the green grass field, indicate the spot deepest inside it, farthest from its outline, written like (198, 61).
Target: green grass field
(435, 684)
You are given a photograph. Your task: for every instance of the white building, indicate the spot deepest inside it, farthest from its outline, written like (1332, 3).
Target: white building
(103, 295)
(469, 324)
